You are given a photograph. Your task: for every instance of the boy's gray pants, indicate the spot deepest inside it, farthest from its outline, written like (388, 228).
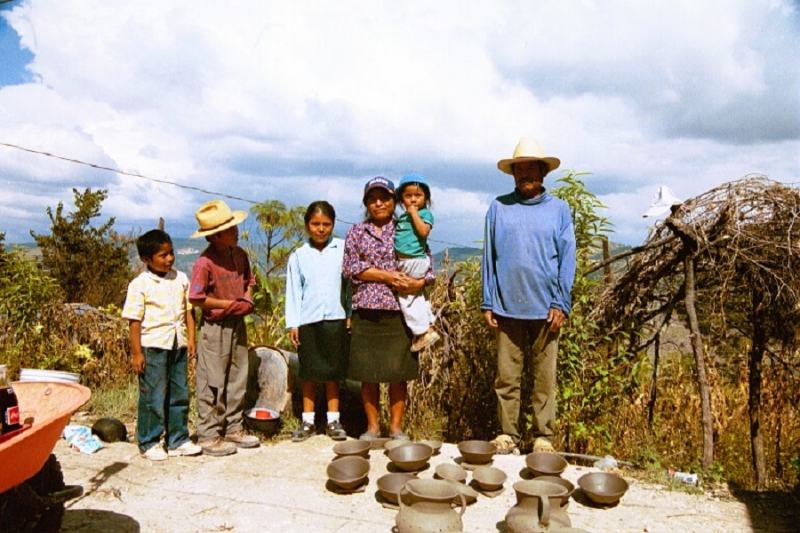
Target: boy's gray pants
(221, 377)
(416, 309)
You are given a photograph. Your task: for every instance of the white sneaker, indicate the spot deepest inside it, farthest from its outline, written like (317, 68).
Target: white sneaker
(155, 453)
(187, 448)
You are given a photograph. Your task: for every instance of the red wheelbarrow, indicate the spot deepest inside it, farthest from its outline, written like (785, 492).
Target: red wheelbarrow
(32, 490)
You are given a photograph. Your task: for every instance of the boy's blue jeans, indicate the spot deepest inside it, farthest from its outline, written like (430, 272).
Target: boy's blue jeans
(163, 398)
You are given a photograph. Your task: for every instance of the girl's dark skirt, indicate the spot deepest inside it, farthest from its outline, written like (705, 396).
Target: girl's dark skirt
(380, 348)
(323, 351)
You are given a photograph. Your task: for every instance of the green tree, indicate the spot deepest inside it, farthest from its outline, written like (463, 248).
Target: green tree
(281, 230)
(90, 262)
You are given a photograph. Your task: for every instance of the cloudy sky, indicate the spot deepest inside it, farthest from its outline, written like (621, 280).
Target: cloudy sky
(299, 101)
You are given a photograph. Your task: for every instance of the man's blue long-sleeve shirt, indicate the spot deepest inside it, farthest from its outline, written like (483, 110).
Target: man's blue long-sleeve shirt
(528, 256)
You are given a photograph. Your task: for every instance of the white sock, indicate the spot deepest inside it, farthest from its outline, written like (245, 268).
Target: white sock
(333, 416)
(308, 418)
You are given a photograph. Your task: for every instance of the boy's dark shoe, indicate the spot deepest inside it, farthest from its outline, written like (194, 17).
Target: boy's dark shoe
(303, 432)
(216, 447)
(242, 439)
(335, 431)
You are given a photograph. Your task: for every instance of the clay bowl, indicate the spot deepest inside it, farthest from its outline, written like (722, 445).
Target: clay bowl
(434, 444)
(604, 488)
(389, 485)
(348, 472)
(410, 457)
(567, 484)
(545, 464)
(451, 472)
(263, 420)
(489, 478)
(476, 452)
(352, 448)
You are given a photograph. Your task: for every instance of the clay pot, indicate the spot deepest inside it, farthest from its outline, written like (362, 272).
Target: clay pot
(352, 447)
(545, 464)
(451, 472)
(389, 485)
(426, 506)
(489, 478)
(476, 452)
(567, 484)
(537, 508)
(604, 488)
(348, 472)
(392, 444)
(411, 456)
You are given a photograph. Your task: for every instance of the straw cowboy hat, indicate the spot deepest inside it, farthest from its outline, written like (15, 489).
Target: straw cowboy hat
(528, 150)
(216, 216)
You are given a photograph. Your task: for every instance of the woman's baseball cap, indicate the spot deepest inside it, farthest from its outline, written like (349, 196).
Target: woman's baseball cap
(378, 182)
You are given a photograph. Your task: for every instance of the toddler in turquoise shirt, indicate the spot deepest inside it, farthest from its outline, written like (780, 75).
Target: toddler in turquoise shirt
(410, 244)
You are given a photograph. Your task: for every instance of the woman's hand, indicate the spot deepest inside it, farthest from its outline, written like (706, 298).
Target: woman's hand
(294, 336)
(407, 285)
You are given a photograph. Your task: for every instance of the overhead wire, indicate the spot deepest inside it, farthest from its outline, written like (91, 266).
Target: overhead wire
(169, 182)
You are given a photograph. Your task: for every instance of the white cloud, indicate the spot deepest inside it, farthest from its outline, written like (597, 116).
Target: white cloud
(297, 102)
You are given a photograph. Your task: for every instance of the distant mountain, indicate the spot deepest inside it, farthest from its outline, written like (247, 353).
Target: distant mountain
(456, 254)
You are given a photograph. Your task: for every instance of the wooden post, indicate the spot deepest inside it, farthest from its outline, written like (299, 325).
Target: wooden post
(759, 343)
(700, 363)
(161, 223)
(651, 404)
(608, 276)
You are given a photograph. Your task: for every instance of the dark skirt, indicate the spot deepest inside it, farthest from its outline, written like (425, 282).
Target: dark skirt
(380, 348)
(323, 351)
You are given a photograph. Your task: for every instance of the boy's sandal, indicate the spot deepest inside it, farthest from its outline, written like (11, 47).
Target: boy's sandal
(400, 435)
(368, 436)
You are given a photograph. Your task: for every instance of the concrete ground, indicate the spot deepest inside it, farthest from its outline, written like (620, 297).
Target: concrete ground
(281, 487)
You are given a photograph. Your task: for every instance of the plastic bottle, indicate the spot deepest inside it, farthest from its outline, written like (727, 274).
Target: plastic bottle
(9, 406)
(685, 477)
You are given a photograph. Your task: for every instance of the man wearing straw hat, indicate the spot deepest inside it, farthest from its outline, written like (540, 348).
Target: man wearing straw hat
(527, 274)
(222, 285)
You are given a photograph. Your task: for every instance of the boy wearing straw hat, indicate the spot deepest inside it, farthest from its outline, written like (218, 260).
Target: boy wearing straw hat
(527, 274)
(221, 286)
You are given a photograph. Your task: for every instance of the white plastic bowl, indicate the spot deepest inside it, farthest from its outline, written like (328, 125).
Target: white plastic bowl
(36, 374)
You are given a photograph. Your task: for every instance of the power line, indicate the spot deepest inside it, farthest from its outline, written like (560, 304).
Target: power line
(168, 182)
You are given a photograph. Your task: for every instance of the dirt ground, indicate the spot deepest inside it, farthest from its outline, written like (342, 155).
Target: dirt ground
(282, 487)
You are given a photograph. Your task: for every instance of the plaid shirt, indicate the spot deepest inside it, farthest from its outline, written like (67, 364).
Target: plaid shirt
(366, 248)
(160, 304)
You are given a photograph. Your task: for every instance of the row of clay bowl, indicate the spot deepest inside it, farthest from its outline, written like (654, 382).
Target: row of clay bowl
(349, 470)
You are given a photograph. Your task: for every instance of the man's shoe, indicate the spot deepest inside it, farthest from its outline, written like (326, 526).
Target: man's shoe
(429, 338)
(216, 447)
(155, 453)
(185, 449)
(303, 432)
(242, 439)
(504, 444)
(542, 444)
(335, 430)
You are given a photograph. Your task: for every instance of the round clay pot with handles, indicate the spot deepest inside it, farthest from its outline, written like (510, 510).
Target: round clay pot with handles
(426, 506)
(536, 508)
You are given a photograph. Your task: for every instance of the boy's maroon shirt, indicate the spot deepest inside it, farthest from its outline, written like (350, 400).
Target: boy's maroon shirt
(225, 275)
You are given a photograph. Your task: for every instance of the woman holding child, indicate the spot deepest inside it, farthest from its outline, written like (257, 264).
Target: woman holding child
(380, 344)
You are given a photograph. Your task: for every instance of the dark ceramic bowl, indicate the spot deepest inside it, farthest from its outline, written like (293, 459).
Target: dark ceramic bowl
(489, 478)
(389, 485)
(352, 447)
(265, 421)
(567, 484)
(410, 457)
(451, 472)
(348, 472)
(476, 452)
(545, 464)
(110, 430)
(604, 488)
